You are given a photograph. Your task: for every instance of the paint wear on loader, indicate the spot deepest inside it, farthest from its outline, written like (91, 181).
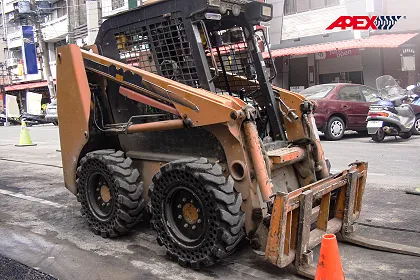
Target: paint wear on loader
(171, 117)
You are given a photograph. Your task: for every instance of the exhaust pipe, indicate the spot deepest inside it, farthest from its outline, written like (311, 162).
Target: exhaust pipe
(390, 130)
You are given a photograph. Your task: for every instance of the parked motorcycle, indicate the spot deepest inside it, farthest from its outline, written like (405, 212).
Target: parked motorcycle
(31, 120)
(389, 116)
(12, 121)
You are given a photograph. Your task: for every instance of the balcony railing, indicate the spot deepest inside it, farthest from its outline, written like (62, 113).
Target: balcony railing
(56, 29)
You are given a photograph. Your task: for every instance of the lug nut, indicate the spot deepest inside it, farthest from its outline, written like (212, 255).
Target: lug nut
(198, 210)
(193, 227)
(97, 189)
(192, 201)
(99, 198)
(184, 199)
(199, 221)
(179, 206)
(180, 217)
(186, 225)
(103, 204)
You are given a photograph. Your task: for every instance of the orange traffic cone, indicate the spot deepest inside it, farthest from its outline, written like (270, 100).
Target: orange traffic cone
(329, 264)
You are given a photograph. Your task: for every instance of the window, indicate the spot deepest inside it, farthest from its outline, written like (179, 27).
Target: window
(59, 44)
(350, 93)
(117, 4)
(290, 7)
(60, 8)
(370, 94)
(317, 92)
(299, 6)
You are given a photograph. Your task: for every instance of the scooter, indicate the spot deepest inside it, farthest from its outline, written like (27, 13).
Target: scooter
(389, 116)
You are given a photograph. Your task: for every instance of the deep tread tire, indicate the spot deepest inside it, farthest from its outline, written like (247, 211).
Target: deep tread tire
(222, 203)
(328, 133)
(126, 187)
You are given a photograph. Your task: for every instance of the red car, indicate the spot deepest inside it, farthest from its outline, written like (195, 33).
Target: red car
(341, 107)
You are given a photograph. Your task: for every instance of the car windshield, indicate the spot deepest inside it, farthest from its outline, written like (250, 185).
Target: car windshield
(317, 92)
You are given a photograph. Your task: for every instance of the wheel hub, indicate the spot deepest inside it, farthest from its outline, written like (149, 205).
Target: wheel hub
(99, 195)
(184, 215)
(336, 128)
(105, 193)
(190, 213)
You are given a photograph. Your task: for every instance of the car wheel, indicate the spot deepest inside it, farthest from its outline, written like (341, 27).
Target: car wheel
(335, 129)
(379, 136)
(416, 126)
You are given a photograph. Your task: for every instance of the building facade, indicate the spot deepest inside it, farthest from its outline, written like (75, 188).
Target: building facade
(306, 53)
(66, 21)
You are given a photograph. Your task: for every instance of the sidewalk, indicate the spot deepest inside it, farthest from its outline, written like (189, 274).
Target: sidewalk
(13, 270)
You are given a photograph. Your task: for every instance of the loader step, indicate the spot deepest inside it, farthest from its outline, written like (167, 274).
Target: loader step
(285, 156)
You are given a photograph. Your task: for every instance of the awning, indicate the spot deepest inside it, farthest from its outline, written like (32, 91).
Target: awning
(27, 86)
(375, 41)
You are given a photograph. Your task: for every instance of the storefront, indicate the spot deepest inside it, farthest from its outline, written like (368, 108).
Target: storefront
(19, 90)
(358, 61)
(339, 66)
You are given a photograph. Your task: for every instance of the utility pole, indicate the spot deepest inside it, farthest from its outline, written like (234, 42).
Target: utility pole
(45, 58)
(71, 13)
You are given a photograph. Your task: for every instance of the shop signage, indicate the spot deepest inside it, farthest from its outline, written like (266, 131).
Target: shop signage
(408, 58)
(336, 54)
(365, 22)
(29, 50)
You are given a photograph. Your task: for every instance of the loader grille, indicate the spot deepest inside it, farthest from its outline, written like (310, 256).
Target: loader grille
(161, 48)
(235, 64)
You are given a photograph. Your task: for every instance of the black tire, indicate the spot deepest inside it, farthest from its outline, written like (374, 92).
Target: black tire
(416, 127)
(379, 136)
(335, 129)
(221, 227)
(115, 211)
(406, 135)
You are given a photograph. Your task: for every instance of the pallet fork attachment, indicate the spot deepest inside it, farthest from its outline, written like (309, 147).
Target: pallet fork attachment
(302, 217)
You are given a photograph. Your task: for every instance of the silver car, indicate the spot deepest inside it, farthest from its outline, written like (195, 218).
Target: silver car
(51, 112)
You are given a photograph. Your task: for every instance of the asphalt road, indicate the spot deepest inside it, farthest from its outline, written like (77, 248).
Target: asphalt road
(41, 226)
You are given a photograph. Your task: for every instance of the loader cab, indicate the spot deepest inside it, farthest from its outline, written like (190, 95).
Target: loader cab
(208, 44)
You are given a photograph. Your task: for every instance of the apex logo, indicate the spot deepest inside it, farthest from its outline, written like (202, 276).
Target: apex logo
(365, 22)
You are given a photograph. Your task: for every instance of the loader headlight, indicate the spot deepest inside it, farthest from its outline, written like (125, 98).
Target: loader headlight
(258, 11)
(267, 11)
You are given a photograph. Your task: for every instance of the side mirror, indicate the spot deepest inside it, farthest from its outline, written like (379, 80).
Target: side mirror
(411, 87)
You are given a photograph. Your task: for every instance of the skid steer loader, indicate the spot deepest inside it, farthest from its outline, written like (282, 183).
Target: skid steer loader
(171, 116)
